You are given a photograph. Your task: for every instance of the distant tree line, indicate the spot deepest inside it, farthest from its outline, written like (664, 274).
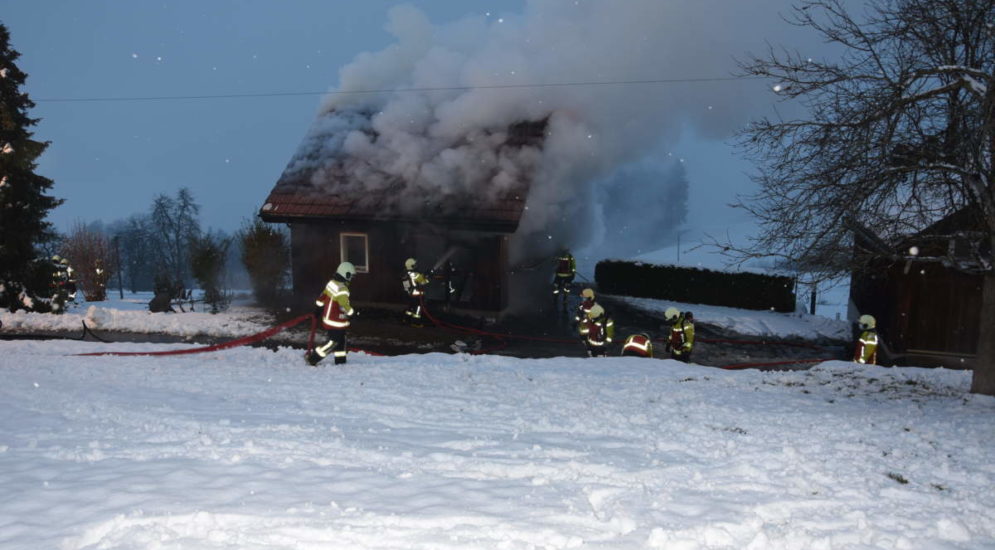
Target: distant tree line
(164, 250)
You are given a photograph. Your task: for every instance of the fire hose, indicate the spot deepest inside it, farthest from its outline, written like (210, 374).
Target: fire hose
(251, 339)
(501, 338)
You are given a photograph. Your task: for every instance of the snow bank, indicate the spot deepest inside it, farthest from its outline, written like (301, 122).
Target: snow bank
(750, 322)
(132, 315)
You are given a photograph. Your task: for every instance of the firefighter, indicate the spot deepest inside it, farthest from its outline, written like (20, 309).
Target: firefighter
(586, 304)
(414, 286)
(681, 340)
(638, 345)
(566, 269)
(334, 310)
(600, 331)
(866, 350)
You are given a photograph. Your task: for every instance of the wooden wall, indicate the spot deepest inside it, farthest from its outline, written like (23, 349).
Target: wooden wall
(926, 313)
(478, 261)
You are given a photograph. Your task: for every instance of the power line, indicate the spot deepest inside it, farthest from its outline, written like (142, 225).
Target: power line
(400, 90)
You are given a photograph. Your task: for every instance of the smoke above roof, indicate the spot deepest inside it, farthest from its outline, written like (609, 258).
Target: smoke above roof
(428, 116)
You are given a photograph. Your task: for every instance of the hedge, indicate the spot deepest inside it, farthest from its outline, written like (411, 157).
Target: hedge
(696, 286)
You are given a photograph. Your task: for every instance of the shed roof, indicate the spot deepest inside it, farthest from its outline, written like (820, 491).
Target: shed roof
(296, 198)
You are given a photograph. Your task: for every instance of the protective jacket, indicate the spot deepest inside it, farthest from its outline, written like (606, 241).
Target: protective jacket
(334, 304)
(414, 283)
(638, 344)
(866, 351)
(600, 331)
(581, 314)
(681, 339)
(566, 266)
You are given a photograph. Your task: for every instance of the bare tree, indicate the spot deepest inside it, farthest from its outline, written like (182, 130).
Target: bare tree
(90, 254)
(175, 223)
(899, 134)
(139, 252)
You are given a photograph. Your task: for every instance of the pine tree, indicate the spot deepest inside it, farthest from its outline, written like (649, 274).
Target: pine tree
(24, 283)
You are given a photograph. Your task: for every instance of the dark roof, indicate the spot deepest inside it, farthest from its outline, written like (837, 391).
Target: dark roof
(295, 199)
(500, 215)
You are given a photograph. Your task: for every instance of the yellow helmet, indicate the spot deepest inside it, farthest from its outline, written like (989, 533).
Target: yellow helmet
(410, 263)
(587, 293)
(867, 322)
(671, 314)
(595, 311)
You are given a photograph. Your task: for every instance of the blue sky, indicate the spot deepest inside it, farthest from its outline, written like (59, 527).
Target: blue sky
(110, 158)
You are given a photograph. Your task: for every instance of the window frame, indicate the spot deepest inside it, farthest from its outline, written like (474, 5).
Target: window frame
(365, 267)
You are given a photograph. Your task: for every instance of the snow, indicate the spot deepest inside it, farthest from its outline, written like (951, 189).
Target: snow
(250, 448)
(976, 86)
(750, 322)
(131, 315)
(696, 251)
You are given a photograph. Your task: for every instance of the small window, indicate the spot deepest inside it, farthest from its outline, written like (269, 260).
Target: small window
(354, 249)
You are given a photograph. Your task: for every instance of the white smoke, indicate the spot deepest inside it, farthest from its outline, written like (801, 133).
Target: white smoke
(458, 86)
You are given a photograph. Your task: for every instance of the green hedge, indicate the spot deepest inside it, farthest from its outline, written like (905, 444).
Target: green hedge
(696, 286)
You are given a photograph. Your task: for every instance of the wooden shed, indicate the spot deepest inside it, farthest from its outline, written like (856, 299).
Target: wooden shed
(462, 237)
(927, 308)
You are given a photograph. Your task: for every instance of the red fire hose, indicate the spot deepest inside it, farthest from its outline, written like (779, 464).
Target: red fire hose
(216, 347)
(501, 338)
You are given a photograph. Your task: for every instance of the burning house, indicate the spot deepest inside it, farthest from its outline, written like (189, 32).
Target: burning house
(453, 209)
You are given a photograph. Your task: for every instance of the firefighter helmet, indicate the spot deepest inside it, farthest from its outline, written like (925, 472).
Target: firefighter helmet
(587, 293)
(867, 322)
(671, 314)
(346, 270)
(595, 311)
(410, 263)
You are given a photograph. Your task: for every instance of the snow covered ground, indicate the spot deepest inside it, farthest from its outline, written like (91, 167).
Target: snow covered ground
(131, 314)
(250, 449)
(750, 322)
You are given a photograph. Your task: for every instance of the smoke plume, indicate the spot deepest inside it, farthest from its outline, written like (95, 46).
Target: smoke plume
(433, 108)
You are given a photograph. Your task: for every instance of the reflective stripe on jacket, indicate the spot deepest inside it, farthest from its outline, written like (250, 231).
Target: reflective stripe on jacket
(334, 301)
(600, 331)
(414, 283)
(682, 335)
(566, 266)
(866, 351)
(639, 344)
(582, 310)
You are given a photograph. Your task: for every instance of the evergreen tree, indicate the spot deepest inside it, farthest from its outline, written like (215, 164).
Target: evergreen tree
(266, 256)
(23, 202)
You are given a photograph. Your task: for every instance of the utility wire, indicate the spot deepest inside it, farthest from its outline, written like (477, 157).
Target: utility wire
(400, 90)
